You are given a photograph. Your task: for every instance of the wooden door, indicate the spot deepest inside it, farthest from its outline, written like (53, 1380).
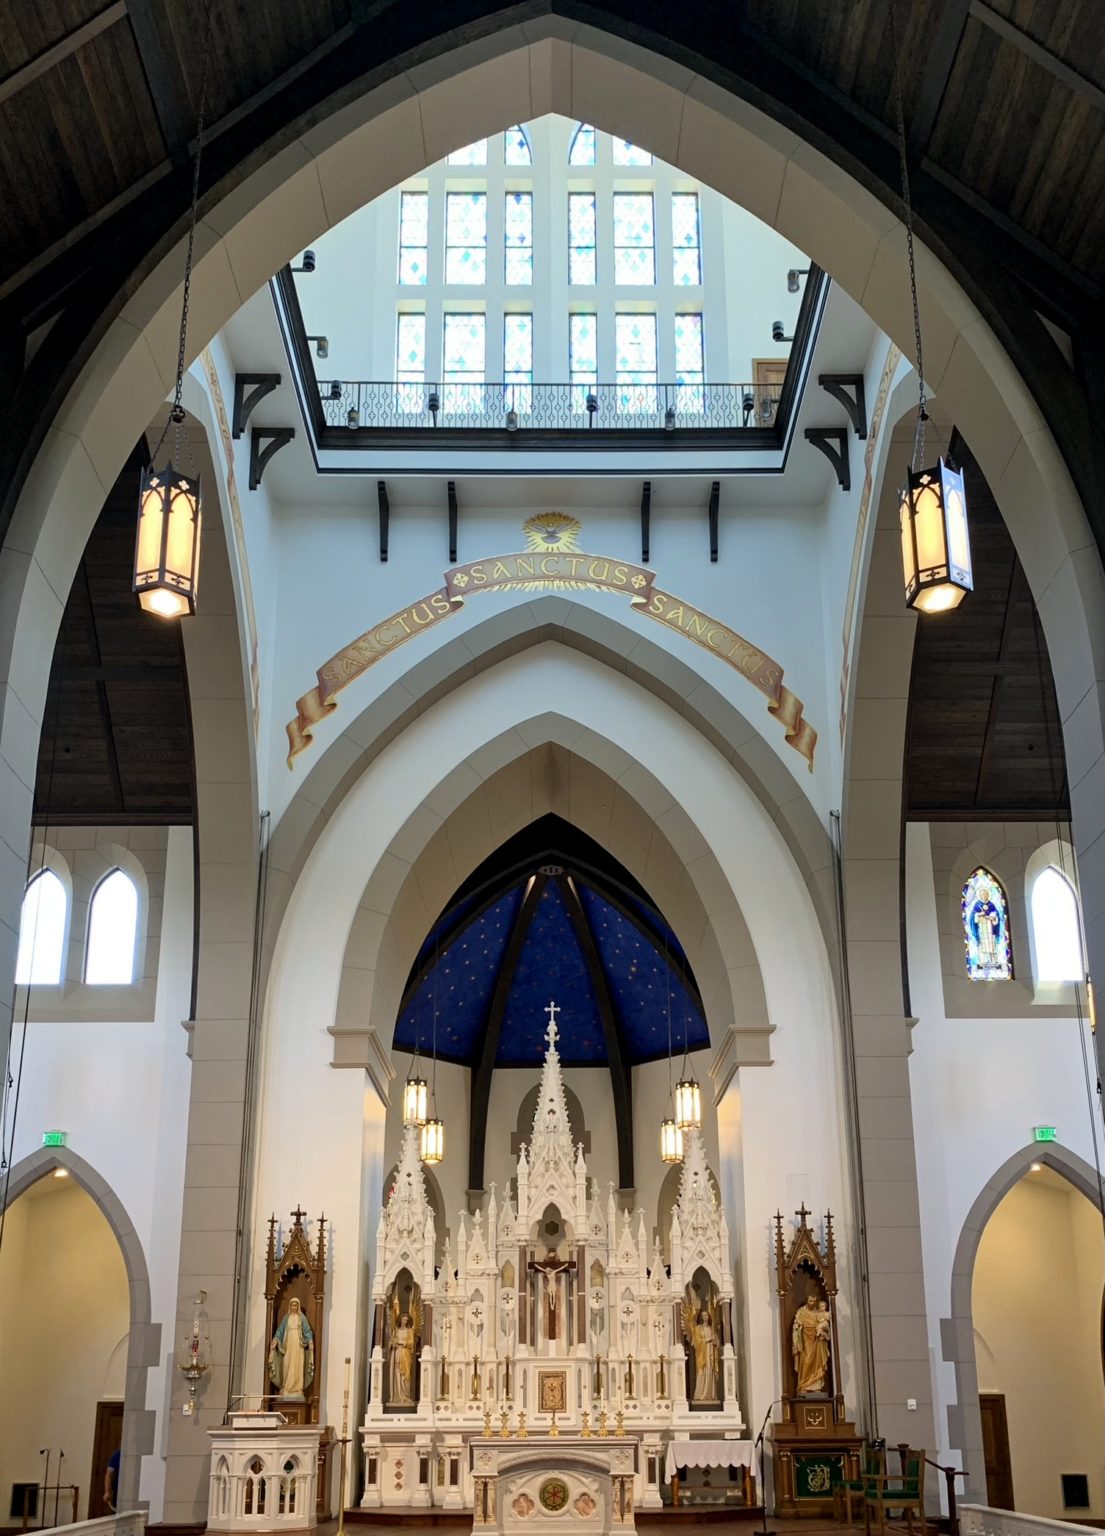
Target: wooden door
(106, 1441)
(768, 374)
(995, 1450)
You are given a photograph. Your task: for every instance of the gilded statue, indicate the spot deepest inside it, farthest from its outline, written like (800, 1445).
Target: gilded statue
(402, 1350)
(292, 1353)
(809, 1343)
(700, 1331)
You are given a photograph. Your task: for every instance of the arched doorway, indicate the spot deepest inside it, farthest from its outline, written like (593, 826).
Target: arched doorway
(78, 1334)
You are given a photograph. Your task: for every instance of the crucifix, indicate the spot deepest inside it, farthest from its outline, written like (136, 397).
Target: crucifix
(552, 1268)
(552, 1032)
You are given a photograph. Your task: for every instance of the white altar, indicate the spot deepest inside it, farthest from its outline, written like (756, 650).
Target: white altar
(264, 1474)
(554, 1303)
(521, 1485)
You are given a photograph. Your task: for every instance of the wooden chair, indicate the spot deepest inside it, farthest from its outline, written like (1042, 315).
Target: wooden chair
(851, 1491)
(903, 1491)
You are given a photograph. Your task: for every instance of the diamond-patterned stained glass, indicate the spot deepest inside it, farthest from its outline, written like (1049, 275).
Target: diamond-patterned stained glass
(410, 361)
(471, 154)
(690, 370)
(518, 361)
(626, 153)
(986, 928)
(516, 146)
(583, 359)
(518, 234)
(582, 255)
(463, 358)
(634, 238)
(635, 362)
(414, 227)
(686, 239)
(581, 151)
(465, 237)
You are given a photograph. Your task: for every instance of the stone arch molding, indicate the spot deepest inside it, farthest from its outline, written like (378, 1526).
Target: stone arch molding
(400, 125)
(957, 1331)
(144, 1338)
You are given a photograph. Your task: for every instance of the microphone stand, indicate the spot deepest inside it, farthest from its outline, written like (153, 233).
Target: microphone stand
(45, 1488)
(763, 1485)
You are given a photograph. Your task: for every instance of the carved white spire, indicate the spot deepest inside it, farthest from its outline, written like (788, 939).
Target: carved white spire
(405, 1234)
(556, 1175)
(552, 1131)
(697, 1203)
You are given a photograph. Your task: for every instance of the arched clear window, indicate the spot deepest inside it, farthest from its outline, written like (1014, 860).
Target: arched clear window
(471, 154)
(516, 146)
(41, 932)
(581, 150)
(626, 153)
(112, 929)
(986, 928)
(1056, 931)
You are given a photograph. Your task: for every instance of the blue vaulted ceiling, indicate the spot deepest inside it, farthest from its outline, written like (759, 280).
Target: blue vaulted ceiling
(551, 916)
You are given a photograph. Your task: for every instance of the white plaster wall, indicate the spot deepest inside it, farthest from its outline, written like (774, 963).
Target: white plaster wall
(120, 1090)
(63, 1335)
(979, 1086)
(299, 1085)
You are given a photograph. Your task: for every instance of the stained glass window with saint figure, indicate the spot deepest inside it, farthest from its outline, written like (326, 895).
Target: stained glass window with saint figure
(516, 146)
(583, 359)
(410, 362)
(581, 151)
(635, 361)
(465, 237)
(464, 352)
(686, 240)
(626, 153)
(582, 255)
(518, 361)
(414, 238)
(518, 234)
(986, 928)
(690, 372)
(634, 238)
(471, 154)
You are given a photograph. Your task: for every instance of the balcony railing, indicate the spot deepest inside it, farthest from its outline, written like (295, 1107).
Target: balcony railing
(621, 409)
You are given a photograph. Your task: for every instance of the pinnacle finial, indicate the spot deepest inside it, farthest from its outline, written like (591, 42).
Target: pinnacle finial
(552, 1032)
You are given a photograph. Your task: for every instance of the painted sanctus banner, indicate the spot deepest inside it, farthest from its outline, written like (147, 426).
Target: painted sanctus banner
(553, 562)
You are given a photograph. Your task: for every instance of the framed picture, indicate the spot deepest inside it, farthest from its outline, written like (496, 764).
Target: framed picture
(552, 1391)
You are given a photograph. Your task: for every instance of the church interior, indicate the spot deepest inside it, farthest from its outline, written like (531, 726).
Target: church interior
(552, 766)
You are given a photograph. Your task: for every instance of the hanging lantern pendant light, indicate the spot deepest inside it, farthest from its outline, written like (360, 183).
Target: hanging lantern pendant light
(170, 504)
(936, 546)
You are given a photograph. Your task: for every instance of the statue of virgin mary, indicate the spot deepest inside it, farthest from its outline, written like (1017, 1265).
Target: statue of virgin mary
(292, 1353)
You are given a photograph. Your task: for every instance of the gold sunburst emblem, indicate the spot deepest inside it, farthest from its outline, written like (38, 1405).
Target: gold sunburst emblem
(556, 531)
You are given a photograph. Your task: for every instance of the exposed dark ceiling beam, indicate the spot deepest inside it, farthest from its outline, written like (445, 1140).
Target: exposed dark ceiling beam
(484, 1069)
(34, 68)
(941, 46)
(1054, 65)
(160, 60)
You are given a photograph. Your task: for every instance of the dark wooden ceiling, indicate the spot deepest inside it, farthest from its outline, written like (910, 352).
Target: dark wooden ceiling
(984, 741)
(116, 743)
(1004, 104)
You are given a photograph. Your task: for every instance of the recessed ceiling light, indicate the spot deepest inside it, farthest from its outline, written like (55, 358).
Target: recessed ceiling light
(1036, 1168)
(61, 1173)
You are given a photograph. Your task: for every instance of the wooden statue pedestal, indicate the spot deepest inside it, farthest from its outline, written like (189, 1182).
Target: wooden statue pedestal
(812, 1453)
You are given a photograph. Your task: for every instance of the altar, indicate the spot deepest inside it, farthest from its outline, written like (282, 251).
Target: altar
(523, 1484)
(557, 1309)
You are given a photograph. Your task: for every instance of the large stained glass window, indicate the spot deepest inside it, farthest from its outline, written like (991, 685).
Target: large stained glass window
(690, 369)
(582, 256)
(626, 153)
(463, 355)
(583, 357)
(635, 361)
(686, 240)
(516, 146)
(518, 228)
(465, 237)
(986, 928)
(634, 238)
(471, 154)
(581, 151)
(518, 361)
(414, 237)
(1056, 931)
(410, 361)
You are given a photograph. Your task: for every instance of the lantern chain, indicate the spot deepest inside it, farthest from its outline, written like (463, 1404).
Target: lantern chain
(922, 402)
(176, 413)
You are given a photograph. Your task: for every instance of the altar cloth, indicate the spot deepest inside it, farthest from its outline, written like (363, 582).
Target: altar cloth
(708, 1453)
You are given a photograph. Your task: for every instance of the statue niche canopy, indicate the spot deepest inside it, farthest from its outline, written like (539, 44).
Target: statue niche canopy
(555, 1304)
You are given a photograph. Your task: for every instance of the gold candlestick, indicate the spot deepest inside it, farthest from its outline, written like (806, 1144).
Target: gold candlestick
(619, 1423)
(487, 1422)
(504, 1424)
(554, 1429)
(603, 1431)
(343, 1443)
(522, 1431)
(585, 1420)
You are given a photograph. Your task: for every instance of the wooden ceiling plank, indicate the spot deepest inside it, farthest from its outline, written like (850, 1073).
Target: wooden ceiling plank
(15, 82)
(1039, 54)
(942, 48)
(164, 77)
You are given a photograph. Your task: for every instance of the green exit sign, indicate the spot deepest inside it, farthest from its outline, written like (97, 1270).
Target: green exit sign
(1045, 1133)
(54, 1138)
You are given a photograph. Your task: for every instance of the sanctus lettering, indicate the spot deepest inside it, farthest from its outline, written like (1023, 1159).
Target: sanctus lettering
(426, 612)
(619, 576)
(696, 625)
(525, 565)
(403, 622)
(479, 576)
(574, 563)
(547, 569)
(598, 570)
(440, 603)
(501, 572)
(656, 606)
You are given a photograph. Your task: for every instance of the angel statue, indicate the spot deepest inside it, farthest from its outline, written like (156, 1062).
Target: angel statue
(702, 1335)
(292, 1353)
(406, 1326)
